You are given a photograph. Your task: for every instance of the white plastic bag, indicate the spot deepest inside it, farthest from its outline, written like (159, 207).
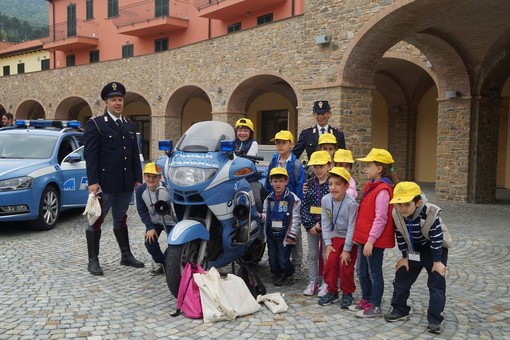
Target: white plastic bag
(224, 299)
(274, 302)
(93, 209)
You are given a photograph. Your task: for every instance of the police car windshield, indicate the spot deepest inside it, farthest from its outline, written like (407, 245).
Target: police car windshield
(205, 137)
(29, 146)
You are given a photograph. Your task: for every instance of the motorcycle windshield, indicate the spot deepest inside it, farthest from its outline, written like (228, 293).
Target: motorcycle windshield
(205, 137)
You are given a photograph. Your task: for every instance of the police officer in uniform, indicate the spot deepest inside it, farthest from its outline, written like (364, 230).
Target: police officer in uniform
(309, 138)
(113, 171)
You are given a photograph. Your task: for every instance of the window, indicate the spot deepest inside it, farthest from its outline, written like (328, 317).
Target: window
(70, 60)
(7, 70)
(113, 8)
(45, 64)
(160, 45)
(89, 5)
(264, 19)
(161, 8)
(71, 20)
(234, 27)
(273, 121)
(93, 56)
(21, 68)
(127, 51)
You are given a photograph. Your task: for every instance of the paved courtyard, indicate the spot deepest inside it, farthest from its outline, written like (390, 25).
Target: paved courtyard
(47, 293)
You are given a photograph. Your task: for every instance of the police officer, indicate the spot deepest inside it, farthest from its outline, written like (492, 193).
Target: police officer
(309, 138)
(113, 171)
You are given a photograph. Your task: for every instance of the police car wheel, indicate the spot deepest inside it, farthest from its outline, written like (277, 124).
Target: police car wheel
(49, 208)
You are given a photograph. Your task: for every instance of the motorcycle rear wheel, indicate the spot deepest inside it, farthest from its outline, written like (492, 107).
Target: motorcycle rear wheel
(176, 257)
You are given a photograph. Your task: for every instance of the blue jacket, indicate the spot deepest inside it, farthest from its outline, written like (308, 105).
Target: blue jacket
(296, 171)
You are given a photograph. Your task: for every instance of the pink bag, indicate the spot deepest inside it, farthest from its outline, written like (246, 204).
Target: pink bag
(188, 298)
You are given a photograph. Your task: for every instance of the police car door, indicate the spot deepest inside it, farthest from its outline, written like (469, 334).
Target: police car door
(75, 187)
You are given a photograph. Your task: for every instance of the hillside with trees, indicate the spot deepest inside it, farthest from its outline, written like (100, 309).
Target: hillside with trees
(22, 20)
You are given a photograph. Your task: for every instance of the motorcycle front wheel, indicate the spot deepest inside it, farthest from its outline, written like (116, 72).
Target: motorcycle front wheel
(176, 257)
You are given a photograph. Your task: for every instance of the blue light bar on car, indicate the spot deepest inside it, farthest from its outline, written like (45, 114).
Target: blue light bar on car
(165, 145)
(72, 124)
(227, 145)
(45, 123)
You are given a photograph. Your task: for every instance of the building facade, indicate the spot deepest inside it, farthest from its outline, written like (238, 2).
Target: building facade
(425, 79)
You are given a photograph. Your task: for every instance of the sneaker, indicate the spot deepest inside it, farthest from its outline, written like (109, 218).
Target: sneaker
(157, 269)
(370, 311)
(393, 316)
(311, 289)
(434, 328)
(278, 280)
(346, 301)
(360, 306)
(289, 280)
(323, 290)
(328, 299)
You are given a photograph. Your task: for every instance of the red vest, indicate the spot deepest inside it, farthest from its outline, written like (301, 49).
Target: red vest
(366, 216)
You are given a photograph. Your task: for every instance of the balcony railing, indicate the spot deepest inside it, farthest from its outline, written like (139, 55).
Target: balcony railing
(201, 4)
(148, 10)
(65, 30)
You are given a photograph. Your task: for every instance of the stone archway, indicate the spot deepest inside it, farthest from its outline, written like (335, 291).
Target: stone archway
(30, 109)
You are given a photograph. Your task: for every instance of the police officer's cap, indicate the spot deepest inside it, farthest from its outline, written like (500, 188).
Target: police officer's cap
(113, 89)
(321, 106)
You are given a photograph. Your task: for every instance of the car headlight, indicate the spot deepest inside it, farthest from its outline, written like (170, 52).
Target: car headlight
(187, 176)
(18, 183)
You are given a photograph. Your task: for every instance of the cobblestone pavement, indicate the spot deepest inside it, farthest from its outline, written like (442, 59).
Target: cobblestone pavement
(46, 291)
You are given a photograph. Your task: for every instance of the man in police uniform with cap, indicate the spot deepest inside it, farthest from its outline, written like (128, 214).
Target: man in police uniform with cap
(113, 171)
(309, 138)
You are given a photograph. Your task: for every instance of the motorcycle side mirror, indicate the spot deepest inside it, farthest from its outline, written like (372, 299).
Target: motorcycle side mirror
(167, 146)
(162, 208)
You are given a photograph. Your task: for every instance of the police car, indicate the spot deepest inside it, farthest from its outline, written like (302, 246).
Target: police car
(42, 171)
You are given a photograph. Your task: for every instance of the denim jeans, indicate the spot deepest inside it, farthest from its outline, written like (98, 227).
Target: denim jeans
(279, 255)
(154, 249)
(370, 275)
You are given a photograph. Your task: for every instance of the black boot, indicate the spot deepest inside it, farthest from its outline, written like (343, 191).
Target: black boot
(127, 259)
(93, 238)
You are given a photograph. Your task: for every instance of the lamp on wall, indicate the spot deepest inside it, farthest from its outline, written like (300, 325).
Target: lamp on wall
(322, 39)
(451, 94)
(217, 89)
(158, 97)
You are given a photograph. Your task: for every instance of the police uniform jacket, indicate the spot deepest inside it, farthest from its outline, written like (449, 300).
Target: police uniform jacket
(309, 140)
(111, 154)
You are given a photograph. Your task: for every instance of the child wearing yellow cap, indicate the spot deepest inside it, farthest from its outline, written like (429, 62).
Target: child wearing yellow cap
(327, 142)
(343, 158)
(374, 230)
(337, 220)
(146, 196)
(423, 242)
(320, 161)
(284, 158)
(281, 227)
(245, 143)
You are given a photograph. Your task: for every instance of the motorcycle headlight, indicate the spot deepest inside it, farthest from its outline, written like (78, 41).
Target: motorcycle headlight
(18, 183)
(187, 176)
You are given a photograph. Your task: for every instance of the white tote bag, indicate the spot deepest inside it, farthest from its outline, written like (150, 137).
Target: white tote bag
(93, 209)
(224, 299)
(274, 302)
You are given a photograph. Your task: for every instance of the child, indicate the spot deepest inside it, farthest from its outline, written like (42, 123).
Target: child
(146, 195)
(374, 230)
(411, 215)
(285, 159)
(327, 142)
(244, 142)
(282, 224)
(343, 158)
(320, 161)
(338, 218)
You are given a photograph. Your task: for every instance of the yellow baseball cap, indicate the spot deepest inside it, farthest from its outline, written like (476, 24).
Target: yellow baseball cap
(152, 168)
(405, 192)
(327, 138)
(343, 156)
(378, 155)
(278, 171)
(342, 172)
(319, 158)
(245, 122)
(283, 135)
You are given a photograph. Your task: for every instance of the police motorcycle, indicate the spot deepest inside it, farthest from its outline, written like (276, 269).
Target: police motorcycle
(213, 202)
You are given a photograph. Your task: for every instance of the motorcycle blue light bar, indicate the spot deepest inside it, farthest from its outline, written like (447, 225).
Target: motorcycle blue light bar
(165, 145)
(227, 145)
